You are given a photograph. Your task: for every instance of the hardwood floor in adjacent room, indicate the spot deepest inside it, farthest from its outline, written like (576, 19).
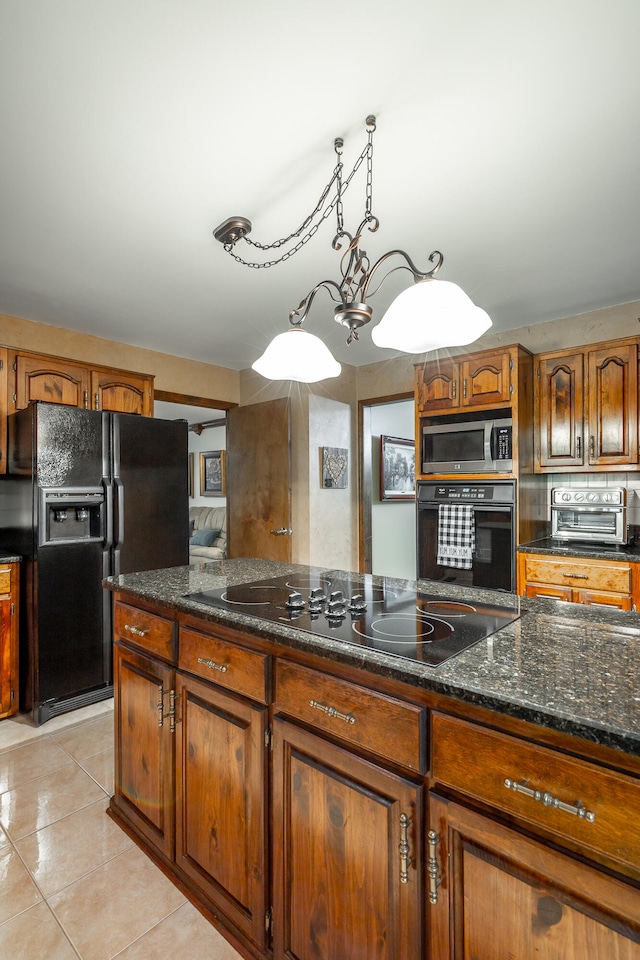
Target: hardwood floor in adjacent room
(73, 886)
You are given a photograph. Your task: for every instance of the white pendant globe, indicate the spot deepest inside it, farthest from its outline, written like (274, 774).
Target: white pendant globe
(429, 315)
(297, 355)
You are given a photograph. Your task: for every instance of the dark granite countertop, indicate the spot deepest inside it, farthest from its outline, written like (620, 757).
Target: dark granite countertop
(9, 557)
(596, 551)
(565, 666)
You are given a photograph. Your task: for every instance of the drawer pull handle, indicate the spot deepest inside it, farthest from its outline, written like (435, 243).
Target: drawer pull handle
(213, 665)
(577, 576)
(548, 800)
(403, 847)
(135, 630)
(432, 866)
(332, 712)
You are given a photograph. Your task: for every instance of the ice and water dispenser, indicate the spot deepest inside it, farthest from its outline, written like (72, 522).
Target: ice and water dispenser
(71, 516)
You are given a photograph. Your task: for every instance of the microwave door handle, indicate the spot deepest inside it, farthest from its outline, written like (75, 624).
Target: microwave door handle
(488, 444)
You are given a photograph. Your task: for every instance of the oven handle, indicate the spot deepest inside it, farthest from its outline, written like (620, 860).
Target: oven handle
(477, 507)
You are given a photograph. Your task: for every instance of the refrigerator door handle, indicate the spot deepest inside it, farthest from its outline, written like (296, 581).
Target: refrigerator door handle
(108, 506)
(118, 533)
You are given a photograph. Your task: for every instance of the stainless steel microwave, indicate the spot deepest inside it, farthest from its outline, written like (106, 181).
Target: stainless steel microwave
(475, 446)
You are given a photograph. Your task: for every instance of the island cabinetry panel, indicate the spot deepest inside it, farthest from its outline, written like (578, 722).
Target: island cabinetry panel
(611, 583)
(9, 587)
(586, 408)
(221, 805)
(580, 806)
(144, 746)
(347, 835)
(499, 893)
(392, 729)
(56, 380)
(141, 628)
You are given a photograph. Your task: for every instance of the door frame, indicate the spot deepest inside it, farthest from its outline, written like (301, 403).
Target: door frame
(365, 474)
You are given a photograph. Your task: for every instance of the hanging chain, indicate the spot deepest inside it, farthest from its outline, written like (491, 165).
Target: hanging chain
(334, 204)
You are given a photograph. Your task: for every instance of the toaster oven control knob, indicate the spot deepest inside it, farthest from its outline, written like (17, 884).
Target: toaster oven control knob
(594, 497)
(566, 496)
(579, 497)
(357, 603)
(607, 498)
(294, 601)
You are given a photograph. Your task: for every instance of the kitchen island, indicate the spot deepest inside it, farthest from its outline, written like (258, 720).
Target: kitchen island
(321, 799)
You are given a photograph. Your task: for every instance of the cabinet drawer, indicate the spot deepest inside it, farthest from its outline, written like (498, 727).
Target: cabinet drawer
(390, 728)
(612, 576)
(145, 630)
(225, 664)
(479, 762)
(5, 579)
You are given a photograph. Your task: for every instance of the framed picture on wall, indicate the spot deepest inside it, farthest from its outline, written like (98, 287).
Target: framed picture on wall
(213, 480)
(397, 469)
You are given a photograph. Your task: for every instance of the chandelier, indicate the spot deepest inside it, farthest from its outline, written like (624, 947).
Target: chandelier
(430, 314)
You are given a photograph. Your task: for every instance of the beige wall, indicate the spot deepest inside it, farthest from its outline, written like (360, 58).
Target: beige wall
(172, 374)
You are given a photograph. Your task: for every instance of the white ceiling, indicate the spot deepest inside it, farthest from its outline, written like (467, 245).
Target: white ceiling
(508, 137)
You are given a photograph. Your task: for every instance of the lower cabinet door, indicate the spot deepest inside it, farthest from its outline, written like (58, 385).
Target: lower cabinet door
(347, 854)
(221, 801)
(144, 773)
(496, 893)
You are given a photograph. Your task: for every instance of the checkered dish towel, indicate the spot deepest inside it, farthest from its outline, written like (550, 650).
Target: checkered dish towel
(456, 535)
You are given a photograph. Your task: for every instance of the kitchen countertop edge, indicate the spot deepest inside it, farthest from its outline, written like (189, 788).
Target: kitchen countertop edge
(502, 673)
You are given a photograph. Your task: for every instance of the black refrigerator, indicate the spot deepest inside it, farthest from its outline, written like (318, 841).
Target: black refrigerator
(87, 495)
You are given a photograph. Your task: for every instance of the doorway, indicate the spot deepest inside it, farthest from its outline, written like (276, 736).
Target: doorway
(387, 527)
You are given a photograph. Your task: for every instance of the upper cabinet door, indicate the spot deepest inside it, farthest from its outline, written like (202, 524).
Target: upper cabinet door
(50, 380)
(437, 385)
(486, 380)
(560, 410)
(121, 392)
(613, 405)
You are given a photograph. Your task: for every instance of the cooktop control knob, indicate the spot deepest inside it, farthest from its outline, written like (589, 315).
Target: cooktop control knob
(317, 595)
(294, 601)
(357, 603)
(336, 609)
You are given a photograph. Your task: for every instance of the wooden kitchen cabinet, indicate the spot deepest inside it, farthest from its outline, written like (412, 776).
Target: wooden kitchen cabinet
(121, 392)
(612, 583)
(145, 746)
(347, 830)
(586, 408)
(497, 885)
(221, 780)
(482, 379)
(3, 408)
(502, 894)
(55, 380)
(347, 862)
(191, 759)
(9, 590)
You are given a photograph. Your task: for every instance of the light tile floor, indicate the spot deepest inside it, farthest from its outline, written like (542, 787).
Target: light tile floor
(72, 884)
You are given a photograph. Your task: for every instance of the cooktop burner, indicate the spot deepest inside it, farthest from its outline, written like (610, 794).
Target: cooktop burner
(402, 622)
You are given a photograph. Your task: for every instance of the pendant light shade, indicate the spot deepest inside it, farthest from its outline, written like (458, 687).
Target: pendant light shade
(429, 315)
(297, 355)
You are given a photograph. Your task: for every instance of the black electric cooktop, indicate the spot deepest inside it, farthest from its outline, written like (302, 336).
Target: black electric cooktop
(398, 621)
